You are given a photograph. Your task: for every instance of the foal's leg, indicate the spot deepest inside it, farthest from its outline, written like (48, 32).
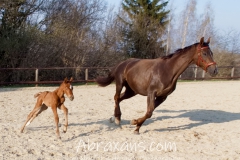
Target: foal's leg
(65, 110)
(56, 118)
(152, 104)
(43, 108)
(30, 115)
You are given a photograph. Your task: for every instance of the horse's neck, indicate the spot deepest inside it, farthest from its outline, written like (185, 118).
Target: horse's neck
(59, 92)
(182, 61)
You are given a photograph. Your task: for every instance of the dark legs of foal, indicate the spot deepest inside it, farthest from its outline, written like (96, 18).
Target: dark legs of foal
(152, 104)
(118, 98)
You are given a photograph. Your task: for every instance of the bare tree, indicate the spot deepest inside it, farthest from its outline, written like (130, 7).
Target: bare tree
(189, 17)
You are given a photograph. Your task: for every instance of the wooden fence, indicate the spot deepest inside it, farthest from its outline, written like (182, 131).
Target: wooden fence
(89, 73)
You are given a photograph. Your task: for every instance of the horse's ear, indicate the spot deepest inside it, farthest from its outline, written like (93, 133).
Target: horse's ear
(201, 41)
(208, 41)
(71, 79)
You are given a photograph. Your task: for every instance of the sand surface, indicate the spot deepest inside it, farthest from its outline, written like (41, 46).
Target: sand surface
(199, 120)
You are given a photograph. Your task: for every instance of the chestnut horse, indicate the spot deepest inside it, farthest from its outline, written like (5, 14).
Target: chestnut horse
(54, 100)
(155, 78)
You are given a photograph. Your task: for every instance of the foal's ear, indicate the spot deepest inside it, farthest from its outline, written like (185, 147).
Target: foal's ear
(208, 41)
(201, 41)
(71, 79)
(65, 80)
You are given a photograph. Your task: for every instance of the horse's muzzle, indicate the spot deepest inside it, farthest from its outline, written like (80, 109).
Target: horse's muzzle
(212, 70)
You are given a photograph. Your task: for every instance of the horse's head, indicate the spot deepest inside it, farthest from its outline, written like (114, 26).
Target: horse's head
(204, 57)
(68, 88)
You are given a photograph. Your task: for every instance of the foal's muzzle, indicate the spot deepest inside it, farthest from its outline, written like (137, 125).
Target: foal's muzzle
(71, 97)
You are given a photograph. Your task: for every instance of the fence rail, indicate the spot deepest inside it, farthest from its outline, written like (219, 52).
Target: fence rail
(87, 75)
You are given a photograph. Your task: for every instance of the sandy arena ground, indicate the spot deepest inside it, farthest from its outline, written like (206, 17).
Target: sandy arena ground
(199, 120)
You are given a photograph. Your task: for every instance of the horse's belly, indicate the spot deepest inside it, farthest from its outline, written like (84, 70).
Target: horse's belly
(138, 88)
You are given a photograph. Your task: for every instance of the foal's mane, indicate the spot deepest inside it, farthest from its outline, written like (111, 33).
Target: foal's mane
(178, 51)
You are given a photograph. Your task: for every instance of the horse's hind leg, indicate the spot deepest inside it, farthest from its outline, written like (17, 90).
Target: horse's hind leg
(65, 110)
(117, 110)
(125, 95)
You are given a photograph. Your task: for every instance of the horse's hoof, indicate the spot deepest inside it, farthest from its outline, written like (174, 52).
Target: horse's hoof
(136, 132)
(112, 119)
(117, 122)
(133, 122)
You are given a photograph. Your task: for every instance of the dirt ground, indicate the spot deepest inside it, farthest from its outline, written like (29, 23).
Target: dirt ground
(199, 120)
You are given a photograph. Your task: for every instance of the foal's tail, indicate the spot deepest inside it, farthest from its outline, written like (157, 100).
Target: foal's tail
(37, 94)
(105, 81)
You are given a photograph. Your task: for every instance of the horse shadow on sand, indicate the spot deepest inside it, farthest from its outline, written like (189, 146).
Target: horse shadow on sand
(103, 126)
(198, 117)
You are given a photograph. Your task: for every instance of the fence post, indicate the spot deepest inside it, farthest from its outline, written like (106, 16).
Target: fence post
(86, 75)
(195, 73)
(232, 72)
(203, 74)
(36, 77)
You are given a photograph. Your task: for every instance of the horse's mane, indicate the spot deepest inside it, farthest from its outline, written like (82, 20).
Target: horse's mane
(178, 51)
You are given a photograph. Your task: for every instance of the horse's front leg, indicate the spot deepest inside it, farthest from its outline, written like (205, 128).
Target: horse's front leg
(56, 118)
(65, 111)
(150, 109)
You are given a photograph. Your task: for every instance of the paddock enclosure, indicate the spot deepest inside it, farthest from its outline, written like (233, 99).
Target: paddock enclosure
(203, 124)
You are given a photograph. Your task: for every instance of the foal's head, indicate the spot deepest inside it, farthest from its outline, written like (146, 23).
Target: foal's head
(68, 88)
(204, 57)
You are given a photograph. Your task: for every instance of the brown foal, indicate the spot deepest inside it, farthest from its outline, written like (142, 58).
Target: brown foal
(54, 100)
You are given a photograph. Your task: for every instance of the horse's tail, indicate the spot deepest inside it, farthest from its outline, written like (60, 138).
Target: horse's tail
(37, 94)
(105, 81)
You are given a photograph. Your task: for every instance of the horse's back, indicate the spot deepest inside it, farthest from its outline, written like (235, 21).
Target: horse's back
(121, 67)
(137, 73)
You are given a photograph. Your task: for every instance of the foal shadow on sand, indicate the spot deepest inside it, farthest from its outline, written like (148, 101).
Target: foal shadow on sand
(199, 117)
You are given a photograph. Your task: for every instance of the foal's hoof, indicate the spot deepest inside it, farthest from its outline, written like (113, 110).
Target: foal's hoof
(133, 122)
(64, 129)
(136, 132)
